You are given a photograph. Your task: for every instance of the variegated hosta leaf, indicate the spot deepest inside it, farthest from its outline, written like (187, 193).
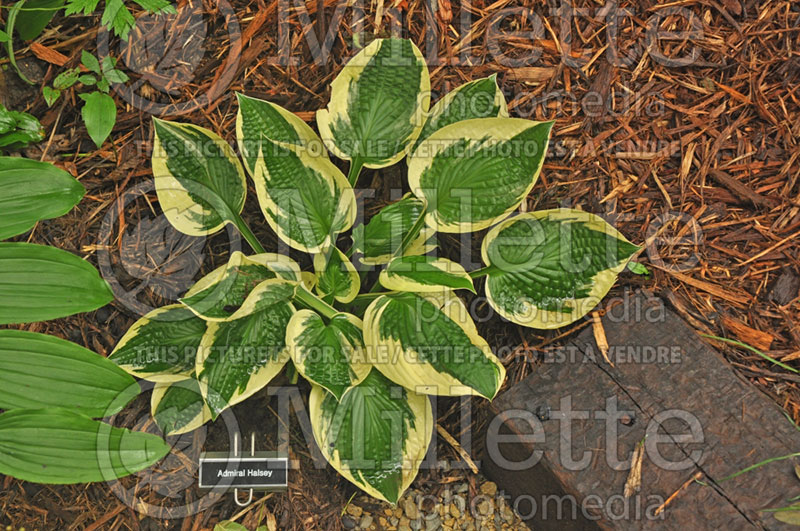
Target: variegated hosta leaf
(376, 436)
(218, 295)
(237, 358)
(331, 355)
(200, 182)
(379, 239)
(179, 407)
(162, 345)
(424, 274)
(306, 199)
(336, 276)
(378, 104)
(481, 98)
(474, 173)
(429, 344)
(550, 268)
(259, 119)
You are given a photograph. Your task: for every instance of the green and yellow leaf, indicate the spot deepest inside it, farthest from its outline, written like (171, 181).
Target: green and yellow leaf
(475, 173)
(179, 407)
(332, 355)
(161, 346)
(239, 357)
(550, 268)
(336, 276)
(379, 240)
(259, 119)
(306, 199)
(378, 104)
(424, 274)
(220, 294)
(428, 343)
(481, 98)
(200, 182)
(376, 436)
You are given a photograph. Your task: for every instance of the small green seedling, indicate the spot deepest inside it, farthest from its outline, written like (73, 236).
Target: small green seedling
(99, 111)
(470, 166)
(18, 129)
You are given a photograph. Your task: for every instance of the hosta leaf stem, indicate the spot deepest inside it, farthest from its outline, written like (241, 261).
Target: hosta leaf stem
(245, 231)
(355, 170)
(482, 272)
(315, 303)
(412, 234)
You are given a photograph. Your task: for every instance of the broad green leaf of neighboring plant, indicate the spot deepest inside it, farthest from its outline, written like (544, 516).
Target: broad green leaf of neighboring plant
(481, 98)
(379, 239)
(239, 357)
(331, 355)
(376, 436)
(474, 173)
(200, 182)
(550, 268)
(18, 129)
(218, 295)
(429, 344)
(179, 407)
(336, 276)
(34, 17)
(38, 283)
(306, 199)
(39, 371)
(259, 119)
(424, 274)
(378, 104)
(99, 113)
(59, 446)
(31, 191)
(162, 345)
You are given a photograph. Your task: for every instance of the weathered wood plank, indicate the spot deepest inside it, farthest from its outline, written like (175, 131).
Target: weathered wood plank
(667, 383)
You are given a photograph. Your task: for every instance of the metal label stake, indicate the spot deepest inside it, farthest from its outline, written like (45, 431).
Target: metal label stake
(259, 471)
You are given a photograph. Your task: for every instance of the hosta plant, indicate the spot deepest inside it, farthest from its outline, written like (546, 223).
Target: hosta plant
(52, 389)
(372, 354)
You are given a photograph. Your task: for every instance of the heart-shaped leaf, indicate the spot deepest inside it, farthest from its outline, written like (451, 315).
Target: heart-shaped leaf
(179, 407)
(474, 173)
(336, 276)
(331, 355)
(200, 182)
(306, 199)
(376, 436)
(424, 274)
(550, 268)
(378, 104)
(481, 98)
(99, 113)
(162, 345)
(220, 294)
(428, 343)
(258, 119)
(379, 240)
(239, 357)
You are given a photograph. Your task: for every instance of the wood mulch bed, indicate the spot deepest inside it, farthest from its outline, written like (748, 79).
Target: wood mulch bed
(701, 163)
